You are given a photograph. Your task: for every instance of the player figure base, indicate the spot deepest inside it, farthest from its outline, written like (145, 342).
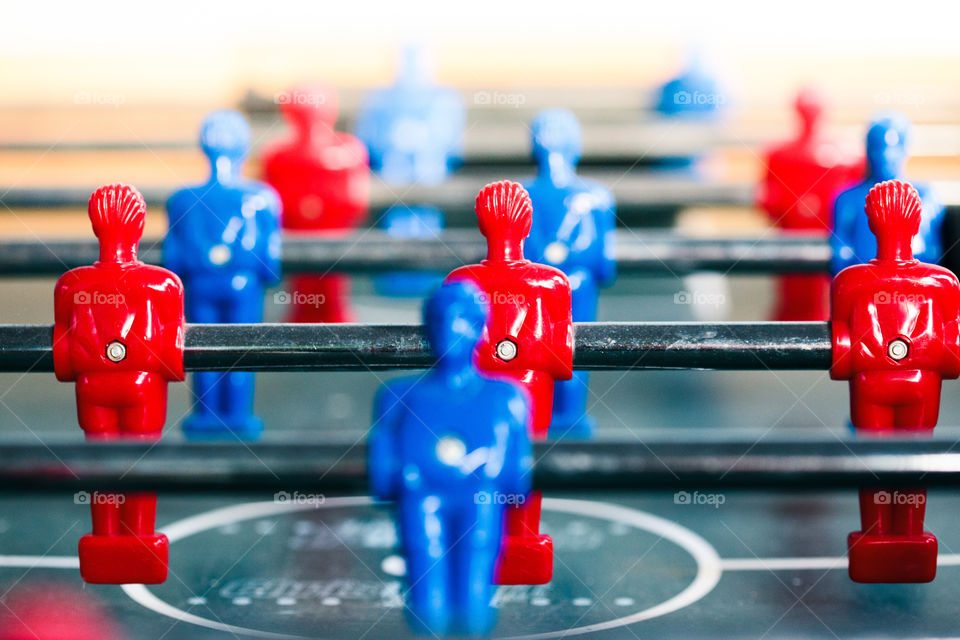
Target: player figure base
(892, 559)
(580, 427)
(206, 427)
(124, 559)
(525, 560)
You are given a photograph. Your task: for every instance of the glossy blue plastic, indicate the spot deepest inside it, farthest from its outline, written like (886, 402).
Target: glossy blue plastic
(416, 221)
(852, 241)
(573, 230)
(451, 448)
(413, 130)
(692, 94)
(224, 243)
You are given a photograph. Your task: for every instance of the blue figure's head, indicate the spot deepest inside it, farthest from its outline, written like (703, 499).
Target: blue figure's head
(887, 145)
(225, 134)
(556, 132)
(454, 317)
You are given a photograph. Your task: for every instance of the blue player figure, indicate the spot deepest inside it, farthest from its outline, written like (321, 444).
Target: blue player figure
(451, 448)
(692, 94)
(572, 230)
(414, 134)
(224, 243)
(852, 241)
(413, 129)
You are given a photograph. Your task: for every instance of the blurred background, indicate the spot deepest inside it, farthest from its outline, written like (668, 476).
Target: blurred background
(142, 77)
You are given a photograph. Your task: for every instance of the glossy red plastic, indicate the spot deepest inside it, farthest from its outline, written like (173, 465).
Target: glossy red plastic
(895, 338)
(118, 334)
(323, 178)
(803, 178)
(529, 338)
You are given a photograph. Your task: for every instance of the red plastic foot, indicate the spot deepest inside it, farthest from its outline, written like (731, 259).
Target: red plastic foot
(124, 559)
(525, 560)
(892, 559)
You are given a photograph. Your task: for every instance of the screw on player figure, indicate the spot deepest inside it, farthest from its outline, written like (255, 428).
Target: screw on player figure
(324, 182)
(802, 180)
(895, 338)
(118, 334)
(528, 337)
(414, 129)
(573, 230)
(224, 242)
(451, 448)
(852, 241)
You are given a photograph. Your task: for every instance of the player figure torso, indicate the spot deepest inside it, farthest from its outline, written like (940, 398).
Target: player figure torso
(322, 188)
(118, 303)
(899, 301)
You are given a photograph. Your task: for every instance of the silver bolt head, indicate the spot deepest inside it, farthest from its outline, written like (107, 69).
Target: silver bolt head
(116, 351)
(507, 350)
(898, 349)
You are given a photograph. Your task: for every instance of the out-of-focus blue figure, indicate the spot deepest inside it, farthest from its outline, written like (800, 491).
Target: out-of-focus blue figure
(852, 240)
(413, 129)
(224, 243)
(693, 96)
(414, 221)
(694, 93)
(451, 448)
(414, 133)
(573, 229)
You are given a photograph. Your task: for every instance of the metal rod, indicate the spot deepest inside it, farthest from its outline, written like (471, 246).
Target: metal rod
(371, 251)
(321, 467)
(363, 347)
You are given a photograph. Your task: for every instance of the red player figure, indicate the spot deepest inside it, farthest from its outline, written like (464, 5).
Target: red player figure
(803, 178)
(119, 335)
(895, 338)
(323, 178)
(529, 337)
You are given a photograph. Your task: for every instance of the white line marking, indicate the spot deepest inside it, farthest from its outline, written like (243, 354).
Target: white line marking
(710, 566)
(41, 562)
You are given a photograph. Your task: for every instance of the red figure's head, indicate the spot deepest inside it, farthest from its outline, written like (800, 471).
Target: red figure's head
(117, 212)
(310, 110)
(893, 211)
(504, 212)
(809, 106)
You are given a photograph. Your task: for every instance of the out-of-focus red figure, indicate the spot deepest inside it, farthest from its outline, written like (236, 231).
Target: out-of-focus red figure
(803, 178)
(323, 178)
(50, 611)
(529, 337)
(895, 338)
(118, 334)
